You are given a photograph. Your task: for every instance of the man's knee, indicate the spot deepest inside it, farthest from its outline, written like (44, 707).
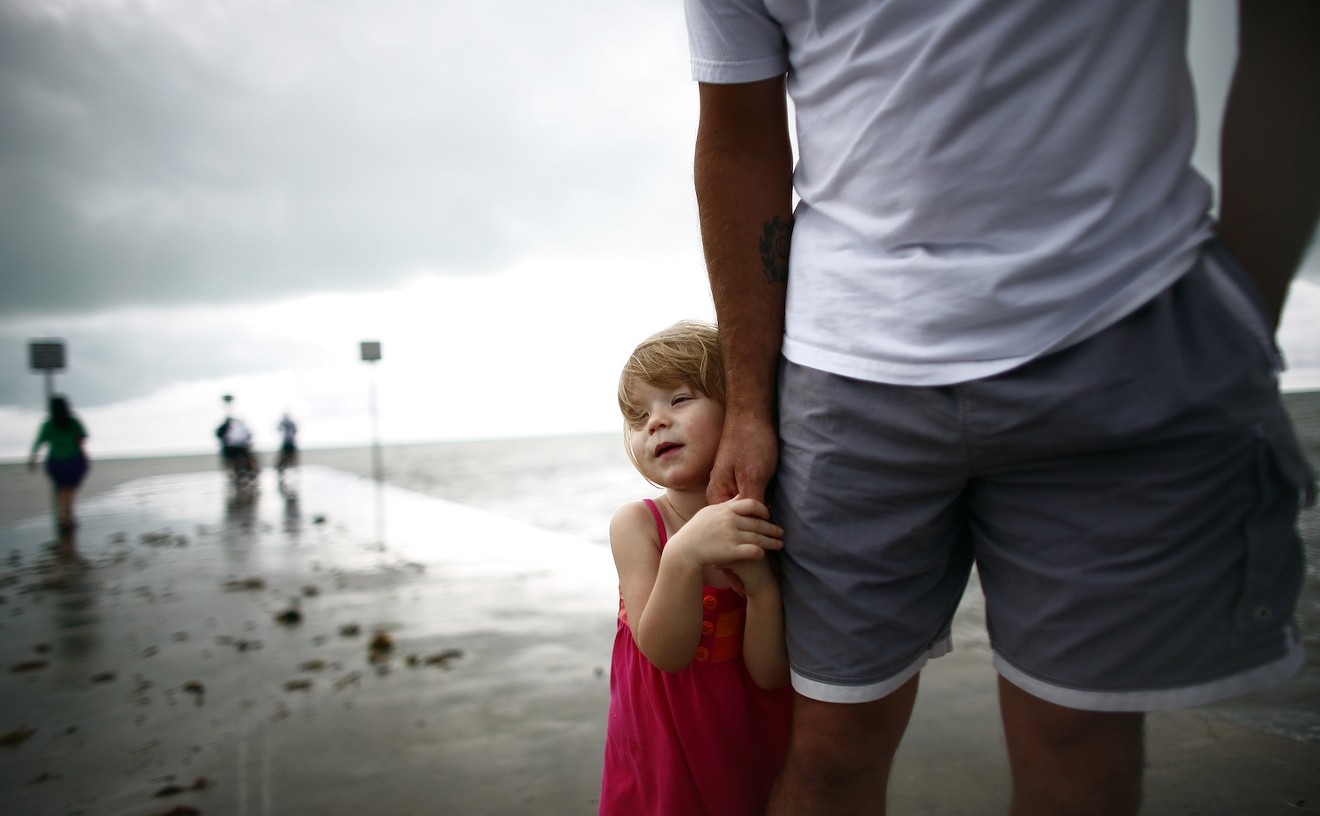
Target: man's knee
(1068, 761)
(842, 739)
(1061, 729)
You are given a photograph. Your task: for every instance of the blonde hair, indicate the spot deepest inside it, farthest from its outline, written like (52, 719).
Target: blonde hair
(686, 353)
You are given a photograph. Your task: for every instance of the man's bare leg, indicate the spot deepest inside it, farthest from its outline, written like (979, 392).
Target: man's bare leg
(1067, 762)
(840, 755)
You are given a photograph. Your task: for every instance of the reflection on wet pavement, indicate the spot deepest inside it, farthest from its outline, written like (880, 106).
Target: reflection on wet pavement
(338, 646)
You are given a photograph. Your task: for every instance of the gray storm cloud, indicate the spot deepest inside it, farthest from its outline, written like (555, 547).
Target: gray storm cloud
(161, 153)
(163, 164)
(204, 155)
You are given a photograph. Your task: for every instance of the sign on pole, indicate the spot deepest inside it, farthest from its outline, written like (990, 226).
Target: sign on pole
(46, 355)
(371, 354)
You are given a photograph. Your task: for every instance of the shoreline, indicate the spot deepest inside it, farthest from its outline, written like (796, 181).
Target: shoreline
(25, 495)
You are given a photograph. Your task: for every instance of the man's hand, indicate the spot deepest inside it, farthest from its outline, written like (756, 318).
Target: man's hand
(748, 455)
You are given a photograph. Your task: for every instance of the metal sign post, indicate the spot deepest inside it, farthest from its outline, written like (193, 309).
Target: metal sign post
(371, 354)
(370, 350)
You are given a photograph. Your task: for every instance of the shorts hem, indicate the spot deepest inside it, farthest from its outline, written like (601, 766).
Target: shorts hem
(1200, 694)
(839, 693)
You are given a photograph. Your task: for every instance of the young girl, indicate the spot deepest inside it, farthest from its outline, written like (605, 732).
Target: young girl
(699, 703)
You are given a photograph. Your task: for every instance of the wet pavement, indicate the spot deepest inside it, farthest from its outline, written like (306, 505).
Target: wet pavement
(194, 651)
(193, 654)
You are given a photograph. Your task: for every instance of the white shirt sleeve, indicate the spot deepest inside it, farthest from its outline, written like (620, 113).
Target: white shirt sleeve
(734, 41)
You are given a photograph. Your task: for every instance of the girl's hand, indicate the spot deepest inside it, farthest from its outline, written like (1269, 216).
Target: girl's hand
(720, 535)
(750, 578)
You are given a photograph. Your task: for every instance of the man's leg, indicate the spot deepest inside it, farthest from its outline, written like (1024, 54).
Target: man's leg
(1069, 762)
(1134, 513)
(876, 558)
(840, 755)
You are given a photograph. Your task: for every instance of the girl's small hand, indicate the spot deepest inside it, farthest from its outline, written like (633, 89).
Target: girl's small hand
(750, 578)
(735, 582)
(722, 534)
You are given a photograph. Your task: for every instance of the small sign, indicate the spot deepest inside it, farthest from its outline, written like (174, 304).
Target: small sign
(370, 350)
(46, 355)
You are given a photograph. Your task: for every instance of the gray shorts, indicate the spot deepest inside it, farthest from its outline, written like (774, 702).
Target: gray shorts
(1130, 504)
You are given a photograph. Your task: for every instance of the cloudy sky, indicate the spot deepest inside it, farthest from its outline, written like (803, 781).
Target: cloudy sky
(227, 196)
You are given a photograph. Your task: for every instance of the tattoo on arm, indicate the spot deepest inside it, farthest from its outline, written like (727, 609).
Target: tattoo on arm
(774, 249)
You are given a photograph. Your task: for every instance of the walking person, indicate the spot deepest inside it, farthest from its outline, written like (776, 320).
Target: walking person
(288, 455)
(66, 459)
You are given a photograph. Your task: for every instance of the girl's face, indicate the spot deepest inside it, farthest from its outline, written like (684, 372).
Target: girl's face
(675, 439)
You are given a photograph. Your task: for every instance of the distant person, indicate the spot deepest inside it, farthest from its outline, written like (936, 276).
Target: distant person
(699, 702)
(236, 445)
(288, 444)
(66, 461)
(223, 428)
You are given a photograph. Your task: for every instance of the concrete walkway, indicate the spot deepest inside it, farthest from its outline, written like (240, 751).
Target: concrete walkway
(190, 650)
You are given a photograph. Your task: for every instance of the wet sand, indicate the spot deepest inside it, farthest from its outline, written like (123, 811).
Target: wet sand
(162, 668)
(167, 655)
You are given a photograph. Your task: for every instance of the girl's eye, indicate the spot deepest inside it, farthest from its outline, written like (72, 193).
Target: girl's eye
(681, 398)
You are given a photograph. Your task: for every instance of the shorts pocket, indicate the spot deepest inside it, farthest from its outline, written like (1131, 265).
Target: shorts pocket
(1239, 294)
(1273, 561)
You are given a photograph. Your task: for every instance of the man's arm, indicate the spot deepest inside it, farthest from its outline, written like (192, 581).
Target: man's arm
(1270, 149)
(744, 181)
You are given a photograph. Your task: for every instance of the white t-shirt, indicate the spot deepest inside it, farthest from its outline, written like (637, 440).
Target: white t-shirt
(980, 182)
(237, 434)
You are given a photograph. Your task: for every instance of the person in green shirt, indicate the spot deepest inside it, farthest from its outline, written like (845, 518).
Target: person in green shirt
(66, 461)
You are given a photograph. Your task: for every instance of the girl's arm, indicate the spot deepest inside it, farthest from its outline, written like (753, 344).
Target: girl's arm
(764, 649)
(662, 592)
(662, 595)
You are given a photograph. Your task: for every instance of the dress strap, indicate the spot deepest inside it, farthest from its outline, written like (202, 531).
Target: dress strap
(659, 522)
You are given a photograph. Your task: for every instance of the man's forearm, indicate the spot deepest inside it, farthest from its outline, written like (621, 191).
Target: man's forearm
(1270, 148)
(744, 168)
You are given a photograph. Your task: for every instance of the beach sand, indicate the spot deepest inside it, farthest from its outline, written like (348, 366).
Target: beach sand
(160, 664)
(168, 654)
